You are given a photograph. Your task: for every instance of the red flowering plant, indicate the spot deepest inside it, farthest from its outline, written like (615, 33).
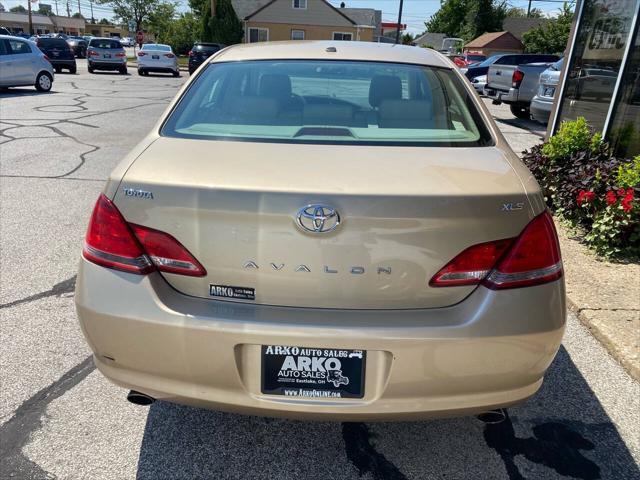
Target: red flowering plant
(591, 189)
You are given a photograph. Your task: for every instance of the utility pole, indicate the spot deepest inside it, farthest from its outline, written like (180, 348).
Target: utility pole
(529, 10)
(213, 8)
(56, 1)
(399, 20)
(30, 18)
(68, 9)
(93, 20)
(79, 11)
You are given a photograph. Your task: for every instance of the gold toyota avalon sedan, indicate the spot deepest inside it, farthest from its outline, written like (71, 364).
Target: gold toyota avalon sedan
(324, 230)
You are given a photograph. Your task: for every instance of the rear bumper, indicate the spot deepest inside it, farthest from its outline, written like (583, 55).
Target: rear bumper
(499, 96)
(66, 63)
(155, 66)
(491, 350)
(107, 64)
(541, 109)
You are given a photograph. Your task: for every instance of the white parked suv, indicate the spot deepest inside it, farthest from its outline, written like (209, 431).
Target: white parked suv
(22, 63)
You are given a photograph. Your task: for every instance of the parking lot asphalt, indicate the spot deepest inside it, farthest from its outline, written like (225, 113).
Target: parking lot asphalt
(59, 418)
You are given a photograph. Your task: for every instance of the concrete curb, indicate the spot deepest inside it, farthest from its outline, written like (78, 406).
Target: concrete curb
(609, 343)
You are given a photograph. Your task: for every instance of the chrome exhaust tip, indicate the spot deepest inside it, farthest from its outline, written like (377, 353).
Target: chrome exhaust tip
(493, 417)
(138, 398)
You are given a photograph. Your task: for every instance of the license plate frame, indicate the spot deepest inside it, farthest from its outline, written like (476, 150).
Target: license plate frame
(155, 57)
(107, 55)
(549, 91)
(312, 372)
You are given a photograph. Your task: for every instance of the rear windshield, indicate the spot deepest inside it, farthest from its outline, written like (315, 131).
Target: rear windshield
(155, 46)
(302, 101)
(206, 48)
(104, 43)
(52, 42)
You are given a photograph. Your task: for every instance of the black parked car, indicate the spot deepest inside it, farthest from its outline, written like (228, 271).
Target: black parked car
(482, 68)
(78, 45)
(200, 52)
(58, 52)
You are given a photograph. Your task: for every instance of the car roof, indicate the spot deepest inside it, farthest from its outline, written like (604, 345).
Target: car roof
(333, 50)
(13, 37)
(106, 38)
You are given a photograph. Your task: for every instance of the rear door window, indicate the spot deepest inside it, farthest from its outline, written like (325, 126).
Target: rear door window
(105, 44)
(18, 47)
(302, 101)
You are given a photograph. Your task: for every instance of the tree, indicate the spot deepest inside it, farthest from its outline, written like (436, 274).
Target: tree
(407, 38)
(161, 22)
(449, 19)
(18, 9)
(483, 16)
(77, 15)
(550, 37)
(136, 10)
(186, 30)
(104, 21)
(517, 12)
(224, 27)
(468, 19)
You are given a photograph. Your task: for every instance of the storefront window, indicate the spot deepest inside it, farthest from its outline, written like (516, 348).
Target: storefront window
(596, 61)
(624, 130)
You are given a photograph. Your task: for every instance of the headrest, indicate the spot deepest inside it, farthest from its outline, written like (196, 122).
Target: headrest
(275, 85)
(384, 87)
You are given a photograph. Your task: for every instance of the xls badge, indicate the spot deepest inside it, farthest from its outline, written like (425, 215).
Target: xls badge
(312, 372)
(226, 291)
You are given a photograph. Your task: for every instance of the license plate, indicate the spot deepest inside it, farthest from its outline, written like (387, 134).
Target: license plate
(107, 55)
(313, 372)
(155, 57)
(549, 91)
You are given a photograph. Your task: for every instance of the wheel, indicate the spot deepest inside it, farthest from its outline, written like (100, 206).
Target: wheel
(520, 111)
(44, 82)
(73, 70)
(123, 70)
(90, 69)
(141, 72)
(176, 73)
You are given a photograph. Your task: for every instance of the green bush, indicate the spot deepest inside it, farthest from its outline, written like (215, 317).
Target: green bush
(592, 189)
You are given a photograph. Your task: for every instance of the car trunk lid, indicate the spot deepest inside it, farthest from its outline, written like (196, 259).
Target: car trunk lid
(405, 212)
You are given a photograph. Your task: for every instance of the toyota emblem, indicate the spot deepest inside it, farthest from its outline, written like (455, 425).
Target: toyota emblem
(317, 218)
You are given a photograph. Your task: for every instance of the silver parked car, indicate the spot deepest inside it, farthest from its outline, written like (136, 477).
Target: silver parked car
(542, 102)
(106, 54)
(22, 63)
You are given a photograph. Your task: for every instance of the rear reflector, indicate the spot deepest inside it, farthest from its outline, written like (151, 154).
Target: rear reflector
(532, 258)
(113, 243)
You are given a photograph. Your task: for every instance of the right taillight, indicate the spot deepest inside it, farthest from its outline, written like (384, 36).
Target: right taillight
(113, 243)
(532, 258)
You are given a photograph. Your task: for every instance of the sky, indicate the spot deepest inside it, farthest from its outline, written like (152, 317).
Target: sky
(415, 12)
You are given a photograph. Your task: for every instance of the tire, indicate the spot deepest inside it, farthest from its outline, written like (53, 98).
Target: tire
(44, 82)
(73, 70)
(123, 71)
(520, 111)
(141, 72)
(176, 74)
(90, 69)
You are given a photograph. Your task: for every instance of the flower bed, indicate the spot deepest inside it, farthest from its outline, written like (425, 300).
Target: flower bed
(589, 187)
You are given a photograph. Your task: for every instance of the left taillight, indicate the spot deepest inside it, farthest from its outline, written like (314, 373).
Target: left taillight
(113, 243)
(533, 258)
